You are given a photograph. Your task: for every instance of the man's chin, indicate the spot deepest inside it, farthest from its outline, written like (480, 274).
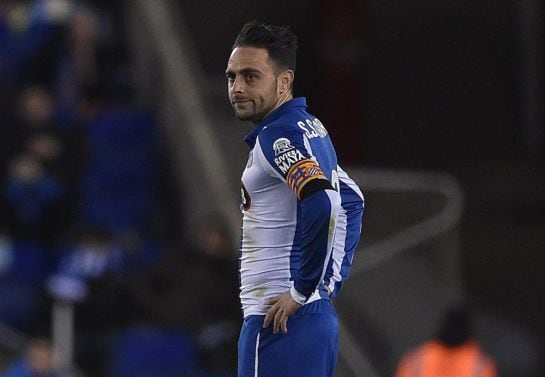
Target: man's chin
(244, 116)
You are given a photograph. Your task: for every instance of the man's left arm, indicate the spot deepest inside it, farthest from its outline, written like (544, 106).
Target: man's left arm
(288, 158)
(319, 210)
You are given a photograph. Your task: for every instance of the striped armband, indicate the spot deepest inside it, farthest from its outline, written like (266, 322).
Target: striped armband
(304, 172)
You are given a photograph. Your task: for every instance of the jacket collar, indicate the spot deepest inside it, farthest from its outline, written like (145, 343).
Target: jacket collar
(273, 116)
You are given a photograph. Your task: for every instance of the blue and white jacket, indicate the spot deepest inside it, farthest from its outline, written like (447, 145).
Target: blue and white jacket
(301, 212)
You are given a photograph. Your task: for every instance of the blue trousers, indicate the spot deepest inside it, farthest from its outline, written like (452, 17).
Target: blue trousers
(308, 349)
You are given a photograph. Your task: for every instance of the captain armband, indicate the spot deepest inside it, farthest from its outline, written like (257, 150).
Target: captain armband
(306, 177)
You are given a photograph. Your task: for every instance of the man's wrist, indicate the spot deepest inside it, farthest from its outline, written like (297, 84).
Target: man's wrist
(297, 297)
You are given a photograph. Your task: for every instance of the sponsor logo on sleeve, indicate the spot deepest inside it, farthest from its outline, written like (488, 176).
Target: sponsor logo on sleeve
(282, 145)
(286, 155)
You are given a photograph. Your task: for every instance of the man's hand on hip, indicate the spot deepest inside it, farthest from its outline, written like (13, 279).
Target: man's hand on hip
(282, 308)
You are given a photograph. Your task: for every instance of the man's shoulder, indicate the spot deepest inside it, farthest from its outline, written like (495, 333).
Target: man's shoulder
(281, 128)
(295, 122)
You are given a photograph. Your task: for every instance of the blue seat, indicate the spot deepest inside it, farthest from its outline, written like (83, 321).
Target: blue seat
(21, 281)
(119, 185)
(153, 353)
(19, 304)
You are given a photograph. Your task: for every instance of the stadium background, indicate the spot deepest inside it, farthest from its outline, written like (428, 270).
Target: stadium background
(418, 87)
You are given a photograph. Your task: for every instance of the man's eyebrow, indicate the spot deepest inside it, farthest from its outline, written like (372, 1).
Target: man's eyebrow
(243, 71)
(249, 70)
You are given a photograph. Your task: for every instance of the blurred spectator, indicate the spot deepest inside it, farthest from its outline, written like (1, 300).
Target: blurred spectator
(46, 156)
(39, 361)
(65, 106)
(32, 35)
(92, 257)
(79, 68)
(453, 353)
(92, 274)
(32, 198)
(36, 130)
(35, 107)
(31, 112)
(46, 148)
(196, 290)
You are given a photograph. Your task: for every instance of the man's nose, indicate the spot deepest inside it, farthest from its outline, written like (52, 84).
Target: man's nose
(238, 85)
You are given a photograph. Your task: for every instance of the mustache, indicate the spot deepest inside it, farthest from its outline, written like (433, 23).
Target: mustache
(239, 98)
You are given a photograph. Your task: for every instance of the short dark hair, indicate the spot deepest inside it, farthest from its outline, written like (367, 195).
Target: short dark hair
(279, 41)
(455, 328)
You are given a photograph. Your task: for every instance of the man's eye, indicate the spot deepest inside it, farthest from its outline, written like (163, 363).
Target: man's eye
(250, 76)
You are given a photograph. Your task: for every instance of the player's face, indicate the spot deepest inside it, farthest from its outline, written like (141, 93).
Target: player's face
(253, 84)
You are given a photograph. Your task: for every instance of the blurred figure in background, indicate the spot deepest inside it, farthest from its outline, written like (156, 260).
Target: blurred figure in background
(31, 33)
(39, 361)
(30, 113)
(195, 290)
(31, 199)
(42, 168)
(454, 352)
(92, 257)
(91, 276)
(62, 71)
(38, 131)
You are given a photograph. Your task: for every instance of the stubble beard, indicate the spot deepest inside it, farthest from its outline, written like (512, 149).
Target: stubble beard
(252, 115)
(246, 115)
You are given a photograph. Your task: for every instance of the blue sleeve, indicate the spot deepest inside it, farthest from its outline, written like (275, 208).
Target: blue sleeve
(285, 150)
(283, 147)
(349, 225)
(318, 217)
(352, 205)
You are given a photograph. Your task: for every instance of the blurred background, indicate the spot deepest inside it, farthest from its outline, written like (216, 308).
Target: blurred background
(120, 162)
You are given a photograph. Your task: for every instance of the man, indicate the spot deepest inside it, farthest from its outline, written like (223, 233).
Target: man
(453, 352)
(301, 215)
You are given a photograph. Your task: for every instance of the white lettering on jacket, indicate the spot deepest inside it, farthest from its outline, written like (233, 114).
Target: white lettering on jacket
(285, 161)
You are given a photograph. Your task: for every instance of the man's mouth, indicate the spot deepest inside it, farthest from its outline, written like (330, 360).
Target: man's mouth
(241, 101)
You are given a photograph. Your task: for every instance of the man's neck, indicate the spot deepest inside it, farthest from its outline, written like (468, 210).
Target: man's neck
(281, 100)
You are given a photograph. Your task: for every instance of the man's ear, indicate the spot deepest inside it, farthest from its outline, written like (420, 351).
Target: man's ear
(285, 81)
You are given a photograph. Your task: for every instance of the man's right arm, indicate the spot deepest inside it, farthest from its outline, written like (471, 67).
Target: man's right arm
(348, 232)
